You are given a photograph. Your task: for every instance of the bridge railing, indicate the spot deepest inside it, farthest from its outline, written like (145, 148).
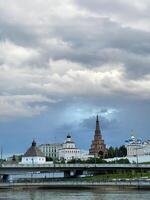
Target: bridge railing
(74, 165)
(75, 181)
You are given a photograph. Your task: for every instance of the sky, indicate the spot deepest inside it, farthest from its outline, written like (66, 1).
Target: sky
(64, 62)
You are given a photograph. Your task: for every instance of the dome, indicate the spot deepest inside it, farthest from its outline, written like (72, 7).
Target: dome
(132, 137)
(68, 136)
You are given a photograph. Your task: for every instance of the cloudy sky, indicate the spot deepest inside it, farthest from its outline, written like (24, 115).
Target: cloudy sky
(64, 62)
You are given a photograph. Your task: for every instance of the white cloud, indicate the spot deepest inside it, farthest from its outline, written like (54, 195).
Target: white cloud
(15, 55)
(71, 48)
(37, 12)
(14, 106)
(64, 78)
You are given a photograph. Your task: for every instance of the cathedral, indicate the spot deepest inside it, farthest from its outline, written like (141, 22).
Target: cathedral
(98, 147)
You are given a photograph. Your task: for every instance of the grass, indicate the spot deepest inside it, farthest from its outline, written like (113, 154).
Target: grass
(145, 163)
(128, 175)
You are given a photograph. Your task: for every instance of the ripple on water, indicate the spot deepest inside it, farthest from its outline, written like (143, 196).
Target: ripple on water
(74, 195)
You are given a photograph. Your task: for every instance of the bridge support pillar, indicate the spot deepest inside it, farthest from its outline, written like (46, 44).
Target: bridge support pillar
(67, 174)
(78, 173)
(5, 178)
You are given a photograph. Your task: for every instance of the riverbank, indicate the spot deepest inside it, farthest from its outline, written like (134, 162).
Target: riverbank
(82, 185)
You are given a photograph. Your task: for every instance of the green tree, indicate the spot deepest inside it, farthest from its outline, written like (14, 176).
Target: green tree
(122, 151)
(116, 152)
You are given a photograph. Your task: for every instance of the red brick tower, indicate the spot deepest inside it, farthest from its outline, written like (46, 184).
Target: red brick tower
(98, 147)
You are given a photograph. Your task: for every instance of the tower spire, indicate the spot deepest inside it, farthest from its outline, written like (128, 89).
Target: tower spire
(97, 130)
(33, 143)
(97, 118)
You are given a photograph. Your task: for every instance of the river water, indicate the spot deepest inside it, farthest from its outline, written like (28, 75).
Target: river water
(53, 194)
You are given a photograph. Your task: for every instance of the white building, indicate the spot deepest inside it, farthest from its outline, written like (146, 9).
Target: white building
(85, 155)
(69, 150)
(51, 150)
(137, 147)
(33, 155)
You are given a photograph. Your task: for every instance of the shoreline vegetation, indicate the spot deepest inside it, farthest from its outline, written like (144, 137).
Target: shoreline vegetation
(127, 180)
(117, 176)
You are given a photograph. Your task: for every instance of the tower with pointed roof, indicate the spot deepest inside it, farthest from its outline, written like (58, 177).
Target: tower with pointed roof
(98, 146)
(33, 155)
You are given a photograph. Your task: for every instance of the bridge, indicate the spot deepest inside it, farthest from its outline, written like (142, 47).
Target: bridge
(67, 169)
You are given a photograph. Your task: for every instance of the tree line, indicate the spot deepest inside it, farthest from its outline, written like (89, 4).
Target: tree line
(116, 152)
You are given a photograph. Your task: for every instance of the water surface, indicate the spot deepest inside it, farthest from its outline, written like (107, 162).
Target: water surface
(53, 194)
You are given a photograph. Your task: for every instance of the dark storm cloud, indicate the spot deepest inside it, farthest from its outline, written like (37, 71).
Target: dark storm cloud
(100, 41)
(20, 35)
(105, 124)
(93, 41)
(66, 61)
(124, 9)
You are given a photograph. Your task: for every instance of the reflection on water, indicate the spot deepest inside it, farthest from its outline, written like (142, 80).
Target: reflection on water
(52, 194)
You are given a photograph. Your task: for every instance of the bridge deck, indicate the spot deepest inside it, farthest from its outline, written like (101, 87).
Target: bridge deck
(14, 168)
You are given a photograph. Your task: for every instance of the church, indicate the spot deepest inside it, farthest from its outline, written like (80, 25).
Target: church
(69, 150)
(33, 155)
